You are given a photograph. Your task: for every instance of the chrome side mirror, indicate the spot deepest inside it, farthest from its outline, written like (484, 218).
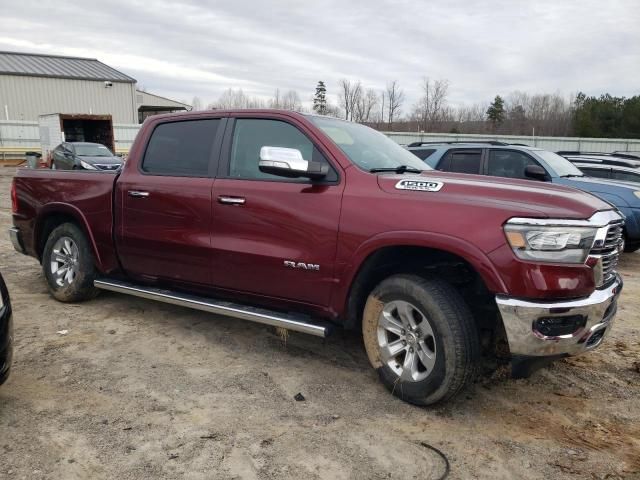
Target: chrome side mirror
(288, 162)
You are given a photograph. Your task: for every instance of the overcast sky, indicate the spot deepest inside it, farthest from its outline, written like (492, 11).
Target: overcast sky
(184, 48)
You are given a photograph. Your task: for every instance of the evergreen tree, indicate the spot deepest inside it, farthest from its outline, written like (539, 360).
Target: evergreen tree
(320, 99)
(495, 112)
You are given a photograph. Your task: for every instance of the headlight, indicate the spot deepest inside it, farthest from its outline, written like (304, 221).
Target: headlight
(637, 193)
(86, 165)
(554, 244)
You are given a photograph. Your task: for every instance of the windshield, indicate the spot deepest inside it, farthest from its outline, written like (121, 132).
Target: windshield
(92, 151)
(562, 166)
(366, 147)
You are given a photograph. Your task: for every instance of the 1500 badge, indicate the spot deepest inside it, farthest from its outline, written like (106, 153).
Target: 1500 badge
(419, 185)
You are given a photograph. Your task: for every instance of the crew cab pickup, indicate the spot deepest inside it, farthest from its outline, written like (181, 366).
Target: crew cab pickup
(307, 222)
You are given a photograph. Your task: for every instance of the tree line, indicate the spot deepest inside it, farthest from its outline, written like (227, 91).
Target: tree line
(516, 113)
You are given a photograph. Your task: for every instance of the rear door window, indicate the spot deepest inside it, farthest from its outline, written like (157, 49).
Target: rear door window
(626, 176)
(423, 154)
(462, 161)
(509, 164)
(596, 172)
(181, 149)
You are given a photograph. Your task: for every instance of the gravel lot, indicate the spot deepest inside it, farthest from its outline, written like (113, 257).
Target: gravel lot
(138, 389)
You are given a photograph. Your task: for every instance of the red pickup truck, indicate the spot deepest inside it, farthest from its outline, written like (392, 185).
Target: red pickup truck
(307, 222)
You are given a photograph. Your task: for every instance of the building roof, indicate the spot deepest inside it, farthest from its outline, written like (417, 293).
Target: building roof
(150, 100)
(54, 66)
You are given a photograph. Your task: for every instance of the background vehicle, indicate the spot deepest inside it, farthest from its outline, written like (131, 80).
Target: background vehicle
(614, 167)
(321, 222)
(6, 332)
(83, 156)
(523, 162)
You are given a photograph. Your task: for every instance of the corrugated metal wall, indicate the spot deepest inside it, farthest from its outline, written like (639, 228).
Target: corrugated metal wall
(605, 145)
(26, 98)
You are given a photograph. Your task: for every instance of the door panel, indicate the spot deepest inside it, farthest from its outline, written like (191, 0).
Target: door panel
(165, 207)
(277, 222)
(166, 234)
(261, 221)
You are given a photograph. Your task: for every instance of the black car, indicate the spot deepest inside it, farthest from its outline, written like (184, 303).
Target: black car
(616, 166)
(6, 333)
(84, 156)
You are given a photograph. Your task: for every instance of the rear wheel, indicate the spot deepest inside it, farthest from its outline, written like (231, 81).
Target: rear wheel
(421, 338)
(68, 264)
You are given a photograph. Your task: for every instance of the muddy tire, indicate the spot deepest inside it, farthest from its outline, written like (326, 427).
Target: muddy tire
(421, 338)
(68, 264)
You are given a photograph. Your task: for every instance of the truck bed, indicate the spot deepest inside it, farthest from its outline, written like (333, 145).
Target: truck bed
(86, 196)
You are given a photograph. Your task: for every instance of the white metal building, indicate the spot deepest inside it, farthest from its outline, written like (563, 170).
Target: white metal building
(34, 84)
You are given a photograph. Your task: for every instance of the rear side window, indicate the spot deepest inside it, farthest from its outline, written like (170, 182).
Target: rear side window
(626, 176)
(595, 172)
(181, 149)
(508, 163)
(423, 154)
(463, 161)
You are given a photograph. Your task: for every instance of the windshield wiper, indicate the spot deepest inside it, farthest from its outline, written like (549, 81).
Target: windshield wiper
(398, 169)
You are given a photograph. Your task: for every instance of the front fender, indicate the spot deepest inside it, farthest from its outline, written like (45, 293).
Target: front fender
(445, 243)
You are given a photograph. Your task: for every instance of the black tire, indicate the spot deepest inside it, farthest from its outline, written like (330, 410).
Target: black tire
(454, 334)
(81, 288)
(630, 247)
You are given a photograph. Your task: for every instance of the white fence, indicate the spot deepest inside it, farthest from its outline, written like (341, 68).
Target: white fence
(18, 135)
(604, 145)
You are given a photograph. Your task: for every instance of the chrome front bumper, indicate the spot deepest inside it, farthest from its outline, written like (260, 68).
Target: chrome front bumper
(520, 316)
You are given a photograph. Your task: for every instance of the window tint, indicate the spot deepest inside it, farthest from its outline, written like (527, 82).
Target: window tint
(596, 172)
(250, 135)
(182, 149)
(508, 163)
(465, 161)
(626, 176)
(423, 154)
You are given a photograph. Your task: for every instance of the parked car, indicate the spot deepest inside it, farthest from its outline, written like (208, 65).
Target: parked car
(6, 332)
(523, 162)
(612, 167)
(307, 223)
(84, 156)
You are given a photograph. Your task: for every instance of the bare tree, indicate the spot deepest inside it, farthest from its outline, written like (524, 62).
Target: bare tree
(365, 103)
(349, 97)
(429, 109)
(291, 101)
(395, 97)
(237, 99)
(196, 104)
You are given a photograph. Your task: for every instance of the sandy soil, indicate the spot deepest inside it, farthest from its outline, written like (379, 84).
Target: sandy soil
(137, 389)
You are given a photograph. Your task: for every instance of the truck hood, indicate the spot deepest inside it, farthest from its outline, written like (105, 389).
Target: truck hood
(515, 197)
(592, 184)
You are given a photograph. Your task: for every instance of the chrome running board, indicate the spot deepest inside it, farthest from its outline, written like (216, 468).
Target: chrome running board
(297, 323)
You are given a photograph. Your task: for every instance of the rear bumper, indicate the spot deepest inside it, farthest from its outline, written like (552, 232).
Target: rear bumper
(525, 340)
(16, 239)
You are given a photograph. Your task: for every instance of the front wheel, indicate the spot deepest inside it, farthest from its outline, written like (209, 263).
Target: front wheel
(68, 264)
(421, 338)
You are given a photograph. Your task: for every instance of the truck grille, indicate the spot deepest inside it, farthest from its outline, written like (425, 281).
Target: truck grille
(108, 166)
(610, 251)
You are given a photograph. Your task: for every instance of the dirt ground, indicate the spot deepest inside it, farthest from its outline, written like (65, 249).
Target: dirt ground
(138, 389)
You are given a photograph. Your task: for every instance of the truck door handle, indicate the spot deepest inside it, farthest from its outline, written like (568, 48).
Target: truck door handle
(231, 200)
(138, 194)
